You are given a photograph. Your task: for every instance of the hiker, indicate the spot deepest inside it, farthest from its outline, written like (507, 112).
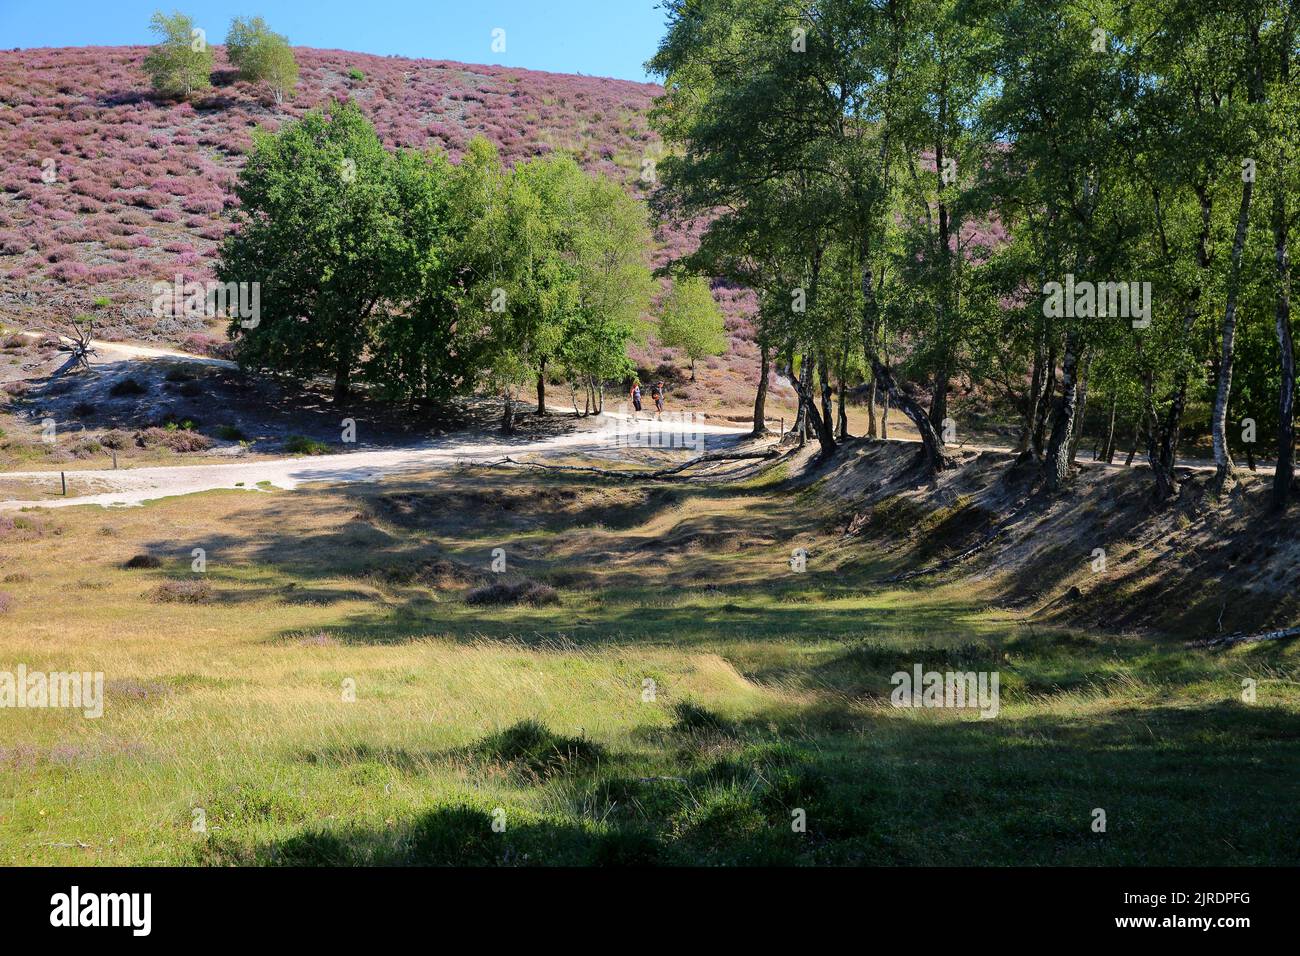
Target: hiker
(636, 395)
(657, 393)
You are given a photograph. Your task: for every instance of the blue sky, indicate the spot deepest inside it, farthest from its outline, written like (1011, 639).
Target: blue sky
(595, 37)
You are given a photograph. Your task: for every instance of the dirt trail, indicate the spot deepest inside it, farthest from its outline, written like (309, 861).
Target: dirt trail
(613, 438)
(134, 486)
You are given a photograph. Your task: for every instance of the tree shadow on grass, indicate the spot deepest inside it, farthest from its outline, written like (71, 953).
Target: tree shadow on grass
(1197, 784)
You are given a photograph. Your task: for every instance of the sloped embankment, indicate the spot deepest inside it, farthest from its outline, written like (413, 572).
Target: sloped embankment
(1100, 553)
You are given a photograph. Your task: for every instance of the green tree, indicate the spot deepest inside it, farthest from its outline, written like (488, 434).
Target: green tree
(419, 351)
(615, 286)
(691, 321)
(321, 227)
(181, 61)
(556, 272)
(262, 56)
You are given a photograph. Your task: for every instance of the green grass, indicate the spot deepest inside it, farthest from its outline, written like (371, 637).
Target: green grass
(688, 696)
(302, 445)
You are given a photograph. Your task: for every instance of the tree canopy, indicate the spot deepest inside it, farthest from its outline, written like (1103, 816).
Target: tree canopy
(424, 279)
(181, 62)
(1059, 208)
(691, 321)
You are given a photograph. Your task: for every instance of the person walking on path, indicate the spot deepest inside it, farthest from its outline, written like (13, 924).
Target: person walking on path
(636, 396)
(657, 393)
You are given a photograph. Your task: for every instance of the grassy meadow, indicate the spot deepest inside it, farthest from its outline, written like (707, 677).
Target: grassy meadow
(227, 736)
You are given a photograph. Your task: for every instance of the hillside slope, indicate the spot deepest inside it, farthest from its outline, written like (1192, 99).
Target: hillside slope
(1098, 555)
(141, 187)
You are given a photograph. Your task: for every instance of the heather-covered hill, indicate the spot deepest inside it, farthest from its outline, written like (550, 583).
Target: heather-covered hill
(141, 186)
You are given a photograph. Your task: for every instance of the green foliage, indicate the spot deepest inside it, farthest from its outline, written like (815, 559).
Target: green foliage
(691, 321)
(302, 445)
(262, 56)
(181, 62)
(425, 280)
(559, 266)
(323, 232)
(530, 746)
(915, 177)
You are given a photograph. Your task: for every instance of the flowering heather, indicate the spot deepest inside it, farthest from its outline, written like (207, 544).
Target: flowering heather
(154, 176)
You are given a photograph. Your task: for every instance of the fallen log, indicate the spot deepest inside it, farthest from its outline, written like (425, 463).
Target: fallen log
(661, 474)
(1240, 638)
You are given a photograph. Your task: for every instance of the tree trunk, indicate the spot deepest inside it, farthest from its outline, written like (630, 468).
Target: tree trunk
(1166, 458)
(931, 447)
(507, 414)
(1045, 403)
(828, 417)
(1033, 399)
(541, 389)
(342, 381)
(818, 423)
(1161, 472)
(939, 399)
(801, 388)
(760, 397)
(692, 370)
(1137, 434)
(1108, 444)
(1057, 461)
(871, 410)
(1283, 474)
(842, 428)
(1077, 435)
(870, 322)
(1219, 423)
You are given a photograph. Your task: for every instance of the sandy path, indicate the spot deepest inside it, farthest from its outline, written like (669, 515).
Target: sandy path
(120, 351)
(133, 486)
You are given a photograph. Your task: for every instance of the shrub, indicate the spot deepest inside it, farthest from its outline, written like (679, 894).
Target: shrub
(184, 591)
(302, 445)
(115, 439)
(531, 745)
(127, 386)
(690, 717)
(178, 440)
(454, 836)
(515, 592)
(142, 561)
(85, 448)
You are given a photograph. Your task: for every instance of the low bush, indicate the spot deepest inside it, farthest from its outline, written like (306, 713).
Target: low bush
(184, 591)
(514, 592)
